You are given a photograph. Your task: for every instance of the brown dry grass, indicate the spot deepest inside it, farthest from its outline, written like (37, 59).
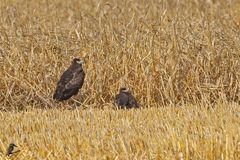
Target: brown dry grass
(170, 53)
(167, 52)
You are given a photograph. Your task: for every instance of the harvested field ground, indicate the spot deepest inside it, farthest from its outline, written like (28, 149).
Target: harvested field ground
(181, 60)
(189, 132)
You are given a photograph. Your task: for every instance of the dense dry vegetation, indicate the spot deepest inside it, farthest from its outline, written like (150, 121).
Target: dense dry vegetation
(181, 54)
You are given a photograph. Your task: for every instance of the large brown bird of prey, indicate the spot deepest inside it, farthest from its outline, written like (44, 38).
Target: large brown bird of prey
(125, 99)
(71, 81)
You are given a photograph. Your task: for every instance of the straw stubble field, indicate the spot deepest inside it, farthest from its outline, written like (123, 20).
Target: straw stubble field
(181, 59)
(189, 132)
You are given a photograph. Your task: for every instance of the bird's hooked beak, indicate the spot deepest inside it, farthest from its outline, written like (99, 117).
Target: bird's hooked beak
(80, 62)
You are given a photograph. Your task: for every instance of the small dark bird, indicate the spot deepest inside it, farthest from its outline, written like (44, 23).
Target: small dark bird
(70, 82)
(125, 99)
(10, 149)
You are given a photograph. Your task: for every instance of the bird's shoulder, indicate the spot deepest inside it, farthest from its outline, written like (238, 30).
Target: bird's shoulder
(76, 80)
(123, 95)
(129, 96)
(68, 74)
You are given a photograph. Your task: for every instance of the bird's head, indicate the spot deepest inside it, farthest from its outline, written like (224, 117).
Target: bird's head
(77, 61)
(123, 89)
(12, 145)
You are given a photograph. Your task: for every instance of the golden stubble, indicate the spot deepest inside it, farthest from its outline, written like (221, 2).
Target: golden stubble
(168, 53)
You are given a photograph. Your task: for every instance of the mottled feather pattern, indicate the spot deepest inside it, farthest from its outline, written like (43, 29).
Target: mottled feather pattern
(77, 79)
(70, 82)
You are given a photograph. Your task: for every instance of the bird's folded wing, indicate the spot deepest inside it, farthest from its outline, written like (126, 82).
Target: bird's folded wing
(75, 82)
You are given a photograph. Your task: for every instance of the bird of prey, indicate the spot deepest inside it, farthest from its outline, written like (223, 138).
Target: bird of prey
(125, 99)
(71, 81)
(10, 149)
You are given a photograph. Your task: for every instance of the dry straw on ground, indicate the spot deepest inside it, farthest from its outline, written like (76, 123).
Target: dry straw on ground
(169, 52)
(167, 133)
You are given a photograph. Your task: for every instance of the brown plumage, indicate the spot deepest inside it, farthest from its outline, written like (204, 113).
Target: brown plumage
(70, 82)
(125, 99)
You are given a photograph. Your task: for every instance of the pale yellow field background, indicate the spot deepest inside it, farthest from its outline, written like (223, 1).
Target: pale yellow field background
(181, 59)
(189, 132)
(166, 133)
